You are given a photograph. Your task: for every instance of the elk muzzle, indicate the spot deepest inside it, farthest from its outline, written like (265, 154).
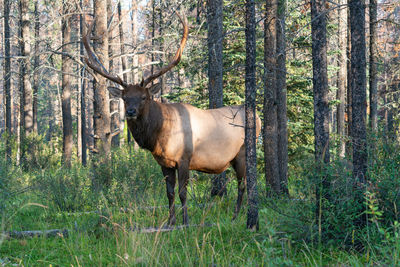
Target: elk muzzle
(131, 113)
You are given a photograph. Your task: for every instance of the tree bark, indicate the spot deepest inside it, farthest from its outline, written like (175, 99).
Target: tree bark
(270, 90)
(135, 59)
(122, 42)
(349, 148)
(373, 73)
(320, 81)
(102, 118)
(83, 85)
(321, 103)
(358, 84)
(123, 65)
(359, 100)
(215, 74)
(7, 76)
(36, 67)
(114, 102)
(161, 48)
(66, 83)
(342, 78)
(26, 87)
(282, 95)
(250, 128)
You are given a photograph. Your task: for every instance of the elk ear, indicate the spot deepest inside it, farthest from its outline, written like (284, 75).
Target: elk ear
(154, 89)
(115, 92)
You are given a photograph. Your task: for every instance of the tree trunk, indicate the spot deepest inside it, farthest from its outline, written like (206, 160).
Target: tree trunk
(320, 81)
(270, 109)
(342, 78)
(83, 85)
(282, 95)
(114, 103)
(102, 118)
(321, 102)
(135, 59)
(161, 48)
(36, 67)
(349, 148)
(359, 100)
(25, 70)
(250, 128)
(123, 65)
(215, 74)
(122, 42)
(373, 73)
(7, 76)
(66, 84)
(153, 34)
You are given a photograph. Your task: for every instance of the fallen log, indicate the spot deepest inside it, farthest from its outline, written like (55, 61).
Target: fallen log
(167, 228)
(37, 233)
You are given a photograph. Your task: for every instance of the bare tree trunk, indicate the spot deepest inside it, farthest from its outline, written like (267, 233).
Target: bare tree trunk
(135, 57)
(321, 102)
(342, 78)
(282, 95)
(36, 68)
(7, 76)
(153, 33)
(26, 83)
(123, 65)
(66, 84)
(102, 118)
(359, 100)
(270, 109)
(349, 148)
(26, 107)
(161, 45)
(114, 101)
(83, 85)
(320, 81)
(373, 73)
(122, 42)
(215, 74)
(250, 128)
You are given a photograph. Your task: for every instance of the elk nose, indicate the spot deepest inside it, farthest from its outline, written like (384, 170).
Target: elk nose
(131, 112)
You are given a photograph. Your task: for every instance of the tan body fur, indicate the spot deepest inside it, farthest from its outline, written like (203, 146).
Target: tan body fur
(208, 139)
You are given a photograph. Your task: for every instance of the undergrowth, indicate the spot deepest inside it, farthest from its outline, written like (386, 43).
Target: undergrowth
(104, 226)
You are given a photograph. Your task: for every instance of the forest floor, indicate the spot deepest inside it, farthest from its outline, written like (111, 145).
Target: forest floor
(111, 233)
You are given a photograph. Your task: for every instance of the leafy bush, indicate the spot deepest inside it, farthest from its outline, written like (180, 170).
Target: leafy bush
(40, 154)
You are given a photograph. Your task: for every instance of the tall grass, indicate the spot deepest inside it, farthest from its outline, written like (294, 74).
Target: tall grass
(104, 227)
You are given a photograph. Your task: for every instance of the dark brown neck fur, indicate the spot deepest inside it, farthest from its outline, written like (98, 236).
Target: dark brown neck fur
(146, 128)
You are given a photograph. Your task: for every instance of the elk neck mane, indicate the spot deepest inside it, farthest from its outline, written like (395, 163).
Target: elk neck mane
(146, 128)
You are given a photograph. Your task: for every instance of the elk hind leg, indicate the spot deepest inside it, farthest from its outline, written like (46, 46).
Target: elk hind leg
(170, 179)
(239, 165)
(183, 177)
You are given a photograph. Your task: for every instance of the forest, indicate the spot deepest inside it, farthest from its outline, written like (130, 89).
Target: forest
(200, 133)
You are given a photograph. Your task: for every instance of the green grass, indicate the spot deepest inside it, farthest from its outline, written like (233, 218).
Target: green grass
(103, 234)
(111, 241)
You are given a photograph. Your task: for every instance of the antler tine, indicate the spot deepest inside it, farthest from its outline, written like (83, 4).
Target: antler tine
(94, 63)
(177, 56)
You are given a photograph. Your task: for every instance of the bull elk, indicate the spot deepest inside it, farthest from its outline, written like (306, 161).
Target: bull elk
(180, 136)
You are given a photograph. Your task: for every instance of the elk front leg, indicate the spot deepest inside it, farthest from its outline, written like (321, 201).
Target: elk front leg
(183, 176)
(170, 179)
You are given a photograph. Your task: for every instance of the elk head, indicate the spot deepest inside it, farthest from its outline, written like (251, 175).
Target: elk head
(135, 96)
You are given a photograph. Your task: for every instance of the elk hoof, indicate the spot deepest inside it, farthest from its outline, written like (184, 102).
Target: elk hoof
(172, 221)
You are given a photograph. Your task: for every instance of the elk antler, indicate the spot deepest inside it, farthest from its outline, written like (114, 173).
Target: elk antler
(176, 58)
(93, 62)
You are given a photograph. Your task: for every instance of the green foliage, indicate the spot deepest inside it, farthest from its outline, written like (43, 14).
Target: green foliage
(101, 223)
(39, 154)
